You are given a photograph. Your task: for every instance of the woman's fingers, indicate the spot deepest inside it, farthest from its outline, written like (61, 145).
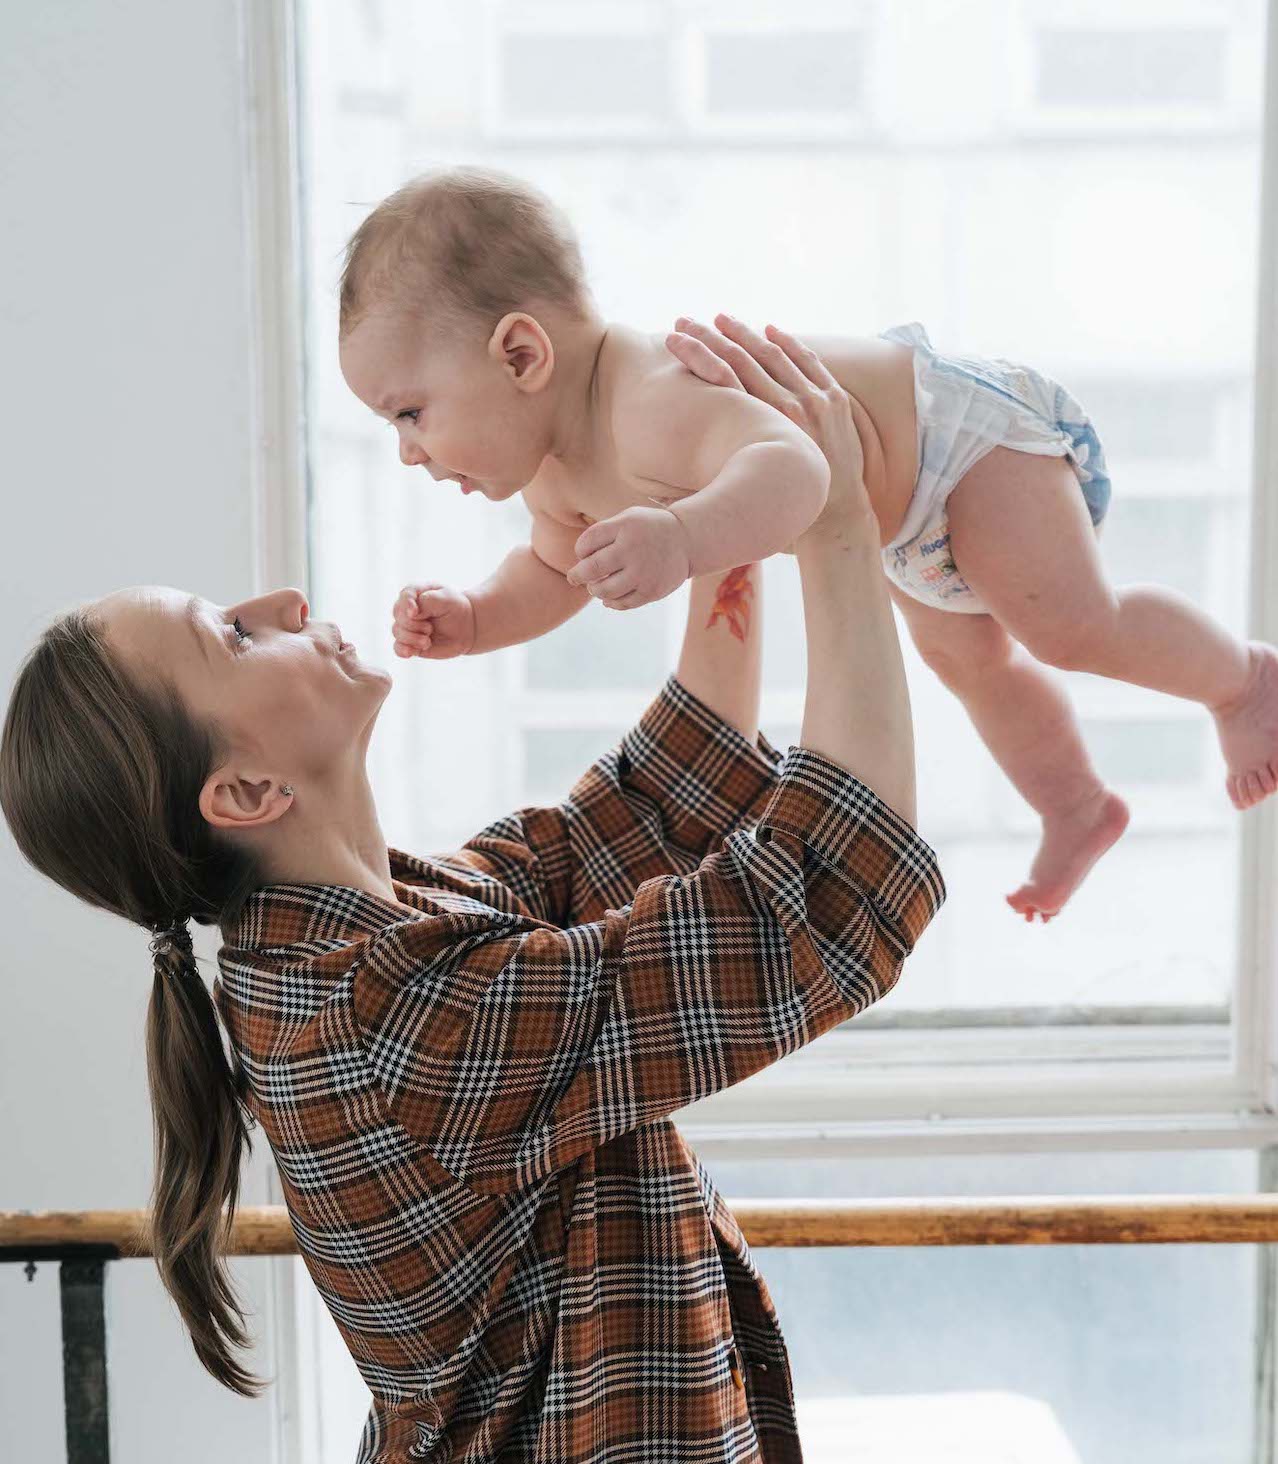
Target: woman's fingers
(701, 360)
(767, 353)
(807, 360)
(747, 370)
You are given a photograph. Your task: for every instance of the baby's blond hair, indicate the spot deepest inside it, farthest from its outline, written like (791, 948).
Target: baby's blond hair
(462, 244)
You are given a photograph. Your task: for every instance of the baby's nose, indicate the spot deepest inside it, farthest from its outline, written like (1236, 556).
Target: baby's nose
(410, 454)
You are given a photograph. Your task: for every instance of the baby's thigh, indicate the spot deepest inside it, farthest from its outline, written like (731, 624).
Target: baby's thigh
(957, 647)
(1022, 537)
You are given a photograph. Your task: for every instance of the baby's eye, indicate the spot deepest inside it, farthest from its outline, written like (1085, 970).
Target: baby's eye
(412, 413)
(239, 630)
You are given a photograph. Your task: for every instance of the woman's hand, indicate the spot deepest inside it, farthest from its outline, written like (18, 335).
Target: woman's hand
(783, 372)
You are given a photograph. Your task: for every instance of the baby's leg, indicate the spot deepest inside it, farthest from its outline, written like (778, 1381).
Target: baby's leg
(1026, 721)
(1022, 538)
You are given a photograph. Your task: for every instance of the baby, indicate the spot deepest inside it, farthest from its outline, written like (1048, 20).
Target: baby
(467, 324)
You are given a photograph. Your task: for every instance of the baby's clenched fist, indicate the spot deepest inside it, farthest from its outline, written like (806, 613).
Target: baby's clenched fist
(433, 621)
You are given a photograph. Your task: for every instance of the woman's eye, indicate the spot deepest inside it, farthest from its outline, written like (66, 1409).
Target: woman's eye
(239, 630)
(411, 413)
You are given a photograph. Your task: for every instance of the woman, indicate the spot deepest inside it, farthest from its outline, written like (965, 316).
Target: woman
(465, 1065)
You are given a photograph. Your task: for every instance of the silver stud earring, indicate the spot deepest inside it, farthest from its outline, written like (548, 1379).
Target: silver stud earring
(286, 789)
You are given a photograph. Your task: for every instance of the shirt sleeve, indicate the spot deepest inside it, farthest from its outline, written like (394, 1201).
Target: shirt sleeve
(676, 785)
(511, 1053)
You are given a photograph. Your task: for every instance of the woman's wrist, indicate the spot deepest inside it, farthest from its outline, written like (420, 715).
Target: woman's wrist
(846, 522)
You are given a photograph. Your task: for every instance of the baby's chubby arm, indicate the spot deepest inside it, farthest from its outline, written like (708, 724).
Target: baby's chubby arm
(528, 595)
(759, 482)
(525, 596)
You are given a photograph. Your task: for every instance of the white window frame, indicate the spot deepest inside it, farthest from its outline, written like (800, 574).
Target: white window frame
(977, 1077)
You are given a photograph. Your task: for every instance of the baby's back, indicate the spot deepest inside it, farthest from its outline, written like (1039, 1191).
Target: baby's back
(878, 376)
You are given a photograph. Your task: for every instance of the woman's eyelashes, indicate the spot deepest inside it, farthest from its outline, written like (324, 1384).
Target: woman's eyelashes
(241, 634)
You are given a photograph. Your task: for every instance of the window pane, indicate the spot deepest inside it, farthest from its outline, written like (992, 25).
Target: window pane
(553, 758)
(1046, 1354)
(1131, 68)
(1125, 266)
(1153, 419)
(558, 77)
(1161, 541)
(809, 71)
(612, 649)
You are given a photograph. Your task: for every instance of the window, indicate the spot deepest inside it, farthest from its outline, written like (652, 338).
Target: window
(1185, 66)
(1075, 183)
(1122, 263)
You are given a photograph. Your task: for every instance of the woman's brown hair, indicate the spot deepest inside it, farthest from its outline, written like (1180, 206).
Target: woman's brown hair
(100, 779)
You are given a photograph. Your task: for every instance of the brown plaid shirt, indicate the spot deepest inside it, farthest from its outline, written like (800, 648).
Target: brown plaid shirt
(470, 1107)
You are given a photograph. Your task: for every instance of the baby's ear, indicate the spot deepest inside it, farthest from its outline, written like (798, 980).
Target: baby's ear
(523, 350)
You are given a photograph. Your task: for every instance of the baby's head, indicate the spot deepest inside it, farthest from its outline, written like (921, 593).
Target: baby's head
(457, 293)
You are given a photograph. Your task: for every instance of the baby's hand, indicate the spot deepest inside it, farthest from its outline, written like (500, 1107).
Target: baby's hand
(637, 556)
(433, 621)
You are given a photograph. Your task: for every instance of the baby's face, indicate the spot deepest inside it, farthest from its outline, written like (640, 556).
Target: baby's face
(456, 409)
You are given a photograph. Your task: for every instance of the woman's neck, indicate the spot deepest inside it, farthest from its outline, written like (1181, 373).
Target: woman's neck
(330, 836)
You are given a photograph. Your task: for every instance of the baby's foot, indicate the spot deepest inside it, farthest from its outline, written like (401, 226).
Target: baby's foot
(1072, 842)
(1248, 728)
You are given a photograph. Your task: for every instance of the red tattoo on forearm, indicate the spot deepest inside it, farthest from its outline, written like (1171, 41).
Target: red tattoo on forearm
(732, 601)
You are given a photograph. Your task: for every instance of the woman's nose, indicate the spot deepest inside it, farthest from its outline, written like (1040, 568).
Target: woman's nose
(296, 610)
(286, 608)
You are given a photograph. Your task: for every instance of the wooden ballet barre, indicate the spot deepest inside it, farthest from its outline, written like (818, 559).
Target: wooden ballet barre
(1057, 1220)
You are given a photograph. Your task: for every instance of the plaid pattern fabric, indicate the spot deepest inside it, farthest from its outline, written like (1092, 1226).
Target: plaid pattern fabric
(470, 1107)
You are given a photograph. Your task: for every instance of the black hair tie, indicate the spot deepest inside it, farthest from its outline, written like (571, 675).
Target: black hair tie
(176, 936)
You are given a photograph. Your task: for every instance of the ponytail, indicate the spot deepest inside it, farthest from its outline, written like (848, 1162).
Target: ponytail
(201, 1134)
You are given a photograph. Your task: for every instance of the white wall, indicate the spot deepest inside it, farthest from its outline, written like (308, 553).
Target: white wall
(125, 351)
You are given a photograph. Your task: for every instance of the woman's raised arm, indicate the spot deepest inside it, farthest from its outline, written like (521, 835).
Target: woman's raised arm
(857, 709)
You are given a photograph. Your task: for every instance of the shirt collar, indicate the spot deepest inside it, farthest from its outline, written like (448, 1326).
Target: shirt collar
(295, 914)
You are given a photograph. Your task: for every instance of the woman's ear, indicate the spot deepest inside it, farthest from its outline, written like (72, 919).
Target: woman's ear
(523, 350)
(231, 800)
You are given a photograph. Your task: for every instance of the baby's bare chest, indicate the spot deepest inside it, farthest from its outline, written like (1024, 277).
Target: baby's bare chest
(583, 496)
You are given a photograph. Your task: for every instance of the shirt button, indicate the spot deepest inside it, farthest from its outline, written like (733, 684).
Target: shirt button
(734, 1366)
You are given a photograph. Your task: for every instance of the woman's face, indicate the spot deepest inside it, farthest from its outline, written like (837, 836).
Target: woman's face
(292, 700)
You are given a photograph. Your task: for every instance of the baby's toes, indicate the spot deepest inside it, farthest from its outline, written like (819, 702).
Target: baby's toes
(1247, 791)
(1256, 790)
